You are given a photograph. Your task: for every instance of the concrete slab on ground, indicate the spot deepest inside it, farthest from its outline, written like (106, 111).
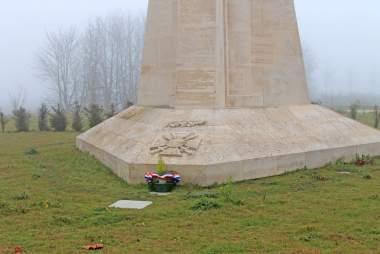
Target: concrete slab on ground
(131, 204)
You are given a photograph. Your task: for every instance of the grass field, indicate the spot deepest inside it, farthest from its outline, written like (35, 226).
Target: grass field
(367, 118)
(55, 201)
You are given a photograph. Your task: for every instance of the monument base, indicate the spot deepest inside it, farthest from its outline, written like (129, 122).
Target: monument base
(208, 146)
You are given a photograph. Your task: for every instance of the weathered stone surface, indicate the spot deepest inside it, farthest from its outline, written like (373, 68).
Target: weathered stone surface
(176, 144)
(183, 124)
(238, 143)
(222, 53)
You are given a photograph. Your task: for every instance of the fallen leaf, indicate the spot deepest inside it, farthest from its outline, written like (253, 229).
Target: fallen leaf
(18, 250)
(95, 246)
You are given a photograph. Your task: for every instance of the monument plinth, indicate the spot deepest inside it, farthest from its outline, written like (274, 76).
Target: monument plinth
(223, 95)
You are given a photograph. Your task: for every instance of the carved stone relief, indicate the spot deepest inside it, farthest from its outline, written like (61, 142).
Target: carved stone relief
(185, 124)
(176, 144)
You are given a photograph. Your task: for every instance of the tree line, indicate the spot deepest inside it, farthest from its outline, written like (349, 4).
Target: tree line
(55, 118)
(92, 73)
(98, 66)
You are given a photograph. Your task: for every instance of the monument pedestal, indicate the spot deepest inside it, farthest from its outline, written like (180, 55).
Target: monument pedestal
(208, 146)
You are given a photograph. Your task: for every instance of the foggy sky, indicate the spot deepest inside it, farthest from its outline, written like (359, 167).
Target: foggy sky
(23, 28)
(342, 36)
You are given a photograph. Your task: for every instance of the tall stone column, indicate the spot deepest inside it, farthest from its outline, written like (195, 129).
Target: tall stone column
(222, 54)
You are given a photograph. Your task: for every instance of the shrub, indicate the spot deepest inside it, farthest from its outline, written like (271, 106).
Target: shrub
(58, 119)
(5, 208)
(226, 193)
(22, 119)
(77, 119)
(376, 111)
(112, 111)
(94, 115)
(62, 220)
(3, 121)
(31, 151)
(161, 167)
(354, 111)
(21, 196)
(205, 204)
(43, 118)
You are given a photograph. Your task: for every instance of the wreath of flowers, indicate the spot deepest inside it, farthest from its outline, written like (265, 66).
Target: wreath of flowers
(171, 177)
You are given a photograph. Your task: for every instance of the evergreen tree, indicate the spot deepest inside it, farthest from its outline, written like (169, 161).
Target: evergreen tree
(94, 115)
(77, 119)
(58, 119)
(112, 111)
(43, 114)
(354, 111)
(22, 119)
(3, 121)
(376, 117)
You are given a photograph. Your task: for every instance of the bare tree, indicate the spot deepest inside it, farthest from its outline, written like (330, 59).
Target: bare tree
(99, 67)
(90, 62)
(17, 99)
(111, 57)
(58, 64)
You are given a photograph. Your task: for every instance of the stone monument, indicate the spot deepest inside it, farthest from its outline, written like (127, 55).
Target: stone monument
(223, 95)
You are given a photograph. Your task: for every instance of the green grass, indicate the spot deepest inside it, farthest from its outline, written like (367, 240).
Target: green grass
(367, 118)
(54, 200)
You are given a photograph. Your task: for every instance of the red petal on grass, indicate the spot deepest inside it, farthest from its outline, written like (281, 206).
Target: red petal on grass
(18, 250)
